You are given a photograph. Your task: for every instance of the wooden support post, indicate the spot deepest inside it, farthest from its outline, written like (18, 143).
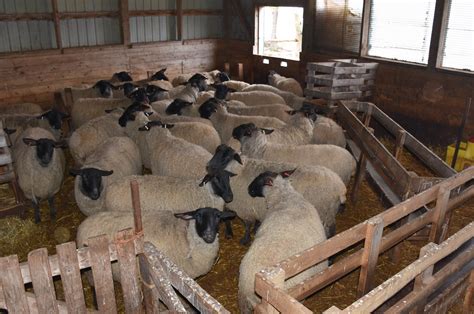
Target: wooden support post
(278, 280)
(240, 71)
(368, 115)
(151, 296)
(401, 135)
(370, 256)
(468, 306)
(124, 22)
(227, 68)
(243, 20)
(68, 98)
(179, 19)
(57, 24)
(439, 221)
(12, 284)
(423, 278)
(361, 167)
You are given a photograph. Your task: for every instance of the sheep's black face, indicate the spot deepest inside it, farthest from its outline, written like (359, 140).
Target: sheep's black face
(176, 106)
(129, 113)
(123, 76)
(207, 221)
(159, 76)
(154, 92)
(105, 88)
(220, 182)
(44, 149)
(208, 108)
(199, 81)
(243, 130)
(222, 157)
(140, 95)
(54, 117)
(223, 77)
(266, 178)
(91, 181)
(128, 89)
(221, 91)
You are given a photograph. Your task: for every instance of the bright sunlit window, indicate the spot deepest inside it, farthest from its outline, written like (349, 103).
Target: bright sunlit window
(280, 32)
(458, 47)
(401, 29)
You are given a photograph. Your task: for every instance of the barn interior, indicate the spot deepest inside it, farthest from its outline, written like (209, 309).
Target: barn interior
(424, 84)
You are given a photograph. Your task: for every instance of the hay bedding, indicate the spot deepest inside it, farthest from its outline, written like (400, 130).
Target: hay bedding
(19, 237)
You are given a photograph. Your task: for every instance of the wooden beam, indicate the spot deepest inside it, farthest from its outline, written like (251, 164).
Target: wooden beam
(243, 20)
(57, 24)
(179, 19)
(364, 38)
(192, 12)
(124, 22)
(86, 15)
(25, 16)
(439, 27)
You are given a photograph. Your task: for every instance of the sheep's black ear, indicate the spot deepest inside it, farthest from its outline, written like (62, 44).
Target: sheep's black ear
(237, 158)
(230, 173)
(268, 181)
(167, 126)
(227, 214)
(163, 70)
(206, 179)
(144, 128)
(108, 110)
(64, 115)
(287, 173)
(291, 112)
(105, 173)
(75, 172)
(30, 141)
(60, 144)
(9, 131)
(267, 131)
(186, 216)
(148, 113)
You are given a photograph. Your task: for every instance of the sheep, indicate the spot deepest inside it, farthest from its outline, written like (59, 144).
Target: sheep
(39, 165)
(50, 120)
(85, 110)
(162, 84)
(327, 131)
(225, 122)
(189, 239)
(117, 157)
(236, 85)
(256, 98)
(175, 91)
(87, 138)
(285, 84)
(190, 93)
(173, 156)
(254, 144)
(278, 111)
(24, 108)
(169, 193)
(291, 226)
(320, 186)
(197, 133)
(292, 100)
(186, 78)
(101, 89)
(122, 76)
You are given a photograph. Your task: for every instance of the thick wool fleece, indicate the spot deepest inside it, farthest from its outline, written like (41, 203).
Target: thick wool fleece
(256, 98)
(327, 131)
(237, 85)
(285, 84)
(278, 111)
(291, 99)
(35, 181)
(86, 109)
(291, 226)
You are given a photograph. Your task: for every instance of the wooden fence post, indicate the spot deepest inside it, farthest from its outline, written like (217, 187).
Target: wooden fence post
(401, 136)
(422, 278)
(370, 256)
(469, 297)
(12, 284)
(278, 279)
(40, 271)
(439, 216)
(361, 166)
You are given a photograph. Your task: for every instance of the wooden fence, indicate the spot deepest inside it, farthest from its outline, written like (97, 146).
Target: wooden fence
(269, 283)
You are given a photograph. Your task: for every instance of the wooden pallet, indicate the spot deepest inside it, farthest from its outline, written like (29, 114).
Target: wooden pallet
(377, 239)
(8, 176)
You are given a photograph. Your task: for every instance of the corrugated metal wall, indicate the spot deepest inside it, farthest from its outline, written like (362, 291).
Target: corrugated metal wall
(91, 31)
(26, 35)
(76, 32)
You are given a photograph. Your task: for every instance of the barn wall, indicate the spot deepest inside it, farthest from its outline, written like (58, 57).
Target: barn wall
(35, 76)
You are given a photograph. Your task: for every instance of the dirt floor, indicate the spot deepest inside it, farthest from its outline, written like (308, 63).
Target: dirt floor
(19, 236)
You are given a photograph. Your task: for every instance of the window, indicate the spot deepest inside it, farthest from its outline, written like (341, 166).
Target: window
(401, 29)
(280, 32)
(457, 46)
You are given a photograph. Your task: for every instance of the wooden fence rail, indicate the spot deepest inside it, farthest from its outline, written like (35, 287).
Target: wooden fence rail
(370, 231)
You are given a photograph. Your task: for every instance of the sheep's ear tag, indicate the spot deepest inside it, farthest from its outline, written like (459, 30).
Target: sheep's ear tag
(287, 173)
(267, 131)
(167, 126)
(291, 112)
(268, 181)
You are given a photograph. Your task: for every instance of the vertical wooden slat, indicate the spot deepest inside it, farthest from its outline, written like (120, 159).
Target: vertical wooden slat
(439, 215)
(401, 136)
(124, 22)
(362, 165)
(422, 278)
(128, 270)
(12, 284)
(469, 297)
(57, 24)
(151, 296)
(364, 38)
(68, 98)
(102, 273)
(179, 19)
(243, 20)
(227, 68)
(440, 20)
(240, 71)
(369, 258)
(43, 286)
(71, 277)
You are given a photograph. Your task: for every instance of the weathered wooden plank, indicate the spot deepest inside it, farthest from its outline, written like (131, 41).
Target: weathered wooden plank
(128, 270)
(439, 219)
(12, 284)
(42, 281)
(102, 273)
(71, 277)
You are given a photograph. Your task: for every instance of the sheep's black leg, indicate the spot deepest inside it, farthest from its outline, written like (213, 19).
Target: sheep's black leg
(52, 208)
(37, 210)
(341, 209)
(331, 231)
(256, 226)
(246, 238)
(229, 234)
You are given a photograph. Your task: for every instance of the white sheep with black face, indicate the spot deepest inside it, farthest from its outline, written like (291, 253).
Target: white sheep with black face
(255, 144)
(256, 98)
(291, 225)
(320, 186)
(190, 239)
(39, 165)
(86, 109)
(286, 84)
(292, 100)
(117, 157)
